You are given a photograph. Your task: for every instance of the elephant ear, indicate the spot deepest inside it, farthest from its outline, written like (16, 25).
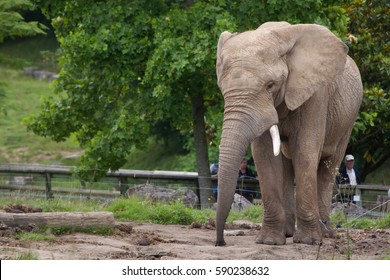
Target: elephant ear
(314, 56)
(222, 39)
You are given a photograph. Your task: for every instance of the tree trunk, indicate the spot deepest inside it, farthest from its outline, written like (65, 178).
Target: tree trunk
(201, 150)
(58, 219)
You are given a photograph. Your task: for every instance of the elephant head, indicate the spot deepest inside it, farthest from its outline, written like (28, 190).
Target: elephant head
(275, 66)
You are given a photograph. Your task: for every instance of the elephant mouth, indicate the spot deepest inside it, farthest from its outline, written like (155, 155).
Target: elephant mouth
(274, 131)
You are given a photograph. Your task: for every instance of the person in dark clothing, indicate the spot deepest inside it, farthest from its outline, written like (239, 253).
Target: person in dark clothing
(245, 173)
(349, 175)
(347, 180)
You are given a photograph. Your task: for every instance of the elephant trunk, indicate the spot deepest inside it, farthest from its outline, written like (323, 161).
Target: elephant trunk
(231, 151)
(236, 137)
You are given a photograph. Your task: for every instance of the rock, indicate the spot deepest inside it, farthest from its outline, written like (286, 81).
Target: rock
(144, 242)
(240, 203)
(164, 194)
(39, 74)
(154, 252)
(352, 210)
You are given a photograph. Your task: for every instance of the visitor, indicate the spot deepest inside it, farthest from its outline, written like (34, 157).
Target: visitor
(347, 180)
(245, 173)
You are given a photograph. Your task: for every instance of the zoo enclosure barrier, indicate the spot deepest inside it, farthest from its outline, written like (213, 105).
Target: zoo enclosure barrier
(60, 181)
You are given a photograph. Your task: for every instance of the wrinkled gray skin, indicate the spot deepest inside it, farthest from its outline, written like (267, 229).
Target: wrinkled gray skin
(299, 78)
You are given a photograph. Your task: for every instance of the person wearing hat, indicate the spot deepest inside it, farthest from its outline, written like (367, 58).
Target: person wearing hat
(348, 175)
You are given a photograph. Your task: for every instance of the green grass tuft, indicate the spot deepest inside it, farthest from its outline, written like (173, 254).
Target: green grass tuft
(34, 236)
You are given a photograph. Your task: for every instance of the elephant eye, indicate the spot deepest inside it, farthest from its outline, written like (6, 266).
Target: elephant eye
(270, 85)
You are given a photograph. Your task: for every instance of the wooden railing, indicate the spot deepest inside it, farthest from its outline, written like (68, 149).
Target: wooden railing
(123, 178)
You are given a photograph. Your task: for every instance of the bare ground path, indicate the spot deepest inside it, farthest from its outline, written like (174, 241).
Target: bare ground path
(151, 241)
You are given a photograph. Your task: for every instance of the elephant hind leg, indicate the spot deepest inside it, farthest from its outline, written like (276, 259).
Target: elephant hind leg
(327, 172)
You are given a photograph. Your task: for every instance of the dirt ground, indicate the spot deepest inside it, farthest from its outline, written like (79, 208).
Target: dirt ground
(150, 241)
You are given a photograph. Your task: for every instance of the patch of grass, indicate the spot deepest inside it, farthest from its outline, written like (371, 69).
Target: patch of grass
(53, 205)
(253, 213)
(135, 209)
(360, 223)
(34, 236)
(175, 213)
(130, 209)
(22, 99)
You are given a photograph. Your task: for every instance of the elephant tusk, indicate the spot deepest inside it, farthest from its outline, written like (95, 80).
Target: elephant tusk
(275, 139)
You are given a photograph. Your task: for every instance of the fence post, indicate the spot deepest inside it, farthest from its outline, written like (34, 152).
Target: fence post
(358, 193)
(49, 193)
(123, 186)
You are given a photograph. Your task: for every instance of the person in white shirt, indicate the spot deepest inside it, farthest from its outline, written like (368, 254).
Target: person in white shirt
(348, 175)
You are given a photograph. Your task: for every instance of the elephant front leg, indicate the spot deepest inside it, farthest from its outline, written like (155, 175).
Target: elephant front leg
(270, 170)
(289, 196)
(308, 219)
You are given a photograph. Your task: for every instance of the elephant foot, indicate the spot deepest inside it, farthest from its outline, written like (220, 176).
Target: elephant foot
(310, 237)
(271, 237)
(220, 243)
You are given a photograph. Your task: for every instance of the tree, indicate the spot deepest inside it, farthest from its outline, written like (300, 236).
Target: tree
(369, 46)
(12, 25)
(128, 65)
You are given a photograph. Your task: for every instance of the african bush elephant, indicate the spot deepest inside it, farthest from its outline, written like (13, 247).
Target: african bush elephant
(290, 88)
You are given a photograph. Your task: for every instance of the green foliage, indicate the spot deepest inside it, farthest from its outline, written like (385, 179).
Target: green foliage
(368, 43)
(12, 23)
